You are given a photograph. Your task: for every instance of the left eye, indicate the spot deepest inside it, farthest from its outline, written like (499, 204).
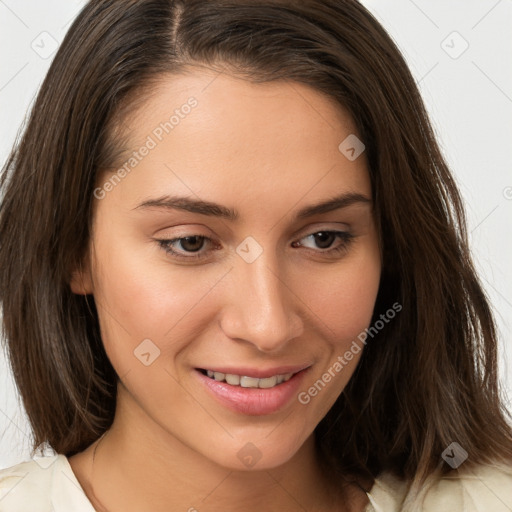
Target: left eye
(324, 239)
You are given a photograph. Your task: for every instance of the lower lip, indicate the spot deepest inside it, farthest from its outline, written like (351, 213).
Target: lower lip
(253, 401)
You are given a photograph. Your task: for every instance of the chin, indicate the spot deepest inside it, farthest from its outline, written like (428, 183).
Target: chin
(258, 454)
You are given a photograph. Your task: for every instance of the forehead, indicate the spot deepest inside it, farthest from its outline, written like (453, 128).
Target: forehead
(210, 133)
(225, 99)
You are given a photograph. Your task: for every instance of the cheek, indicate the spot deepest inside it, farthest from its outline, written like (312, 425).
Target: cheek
(138, 300)
(343, 300)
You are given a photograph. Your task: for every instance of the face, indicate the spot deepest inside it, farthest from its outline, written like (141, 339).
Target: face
(233, 263)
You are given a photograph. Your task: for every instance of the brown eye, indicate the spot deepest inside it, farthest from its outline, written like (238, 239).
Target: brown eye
(186, 247)
(192, 243)
(326, 240)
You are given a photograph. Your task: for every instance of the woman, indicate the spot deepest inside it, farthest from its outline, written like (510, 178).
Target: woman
(235, 273)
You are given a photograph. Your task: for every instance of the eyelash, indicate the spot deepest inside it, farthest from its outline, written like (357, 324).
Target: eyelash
(345, 237)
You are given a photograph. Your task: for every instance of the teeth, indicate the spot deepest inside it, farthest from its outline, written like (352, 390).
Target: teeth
(269, 382)
(234, 380)
(249, 382)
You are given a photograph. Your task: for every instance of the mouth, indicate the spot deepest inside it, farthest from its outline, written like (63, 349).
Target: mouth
(246, 381)
(253, 391)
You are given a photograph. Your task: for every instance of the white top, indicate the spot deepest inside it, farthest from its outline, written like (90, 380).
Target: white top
(49, 485)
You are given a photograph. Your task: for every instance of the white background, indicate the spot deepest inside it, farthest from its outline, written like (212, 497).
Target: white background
(469, 97)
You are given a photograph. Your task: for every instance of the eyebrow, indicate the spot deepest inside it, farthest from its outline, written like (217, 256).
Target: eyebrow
(216, 210)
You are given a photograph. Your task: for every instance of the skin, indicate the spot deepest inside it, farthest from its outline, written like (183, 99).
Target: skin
(266, 150)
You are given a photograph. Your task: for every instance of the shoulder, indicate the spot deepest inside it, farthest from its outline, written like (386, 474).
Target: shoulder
(481, 488)
(473, 489)
(42, 485)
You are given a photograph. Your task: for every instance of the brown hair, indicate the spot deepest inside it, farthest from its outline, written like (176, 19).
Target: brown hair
(426, 379)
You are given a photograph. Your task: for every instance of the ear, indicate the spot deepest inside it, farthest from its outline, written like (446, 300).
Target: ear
(81, 280)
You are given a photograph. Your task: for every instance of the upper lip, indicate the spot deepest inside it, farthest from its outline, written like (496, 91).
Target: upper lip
(258, 373)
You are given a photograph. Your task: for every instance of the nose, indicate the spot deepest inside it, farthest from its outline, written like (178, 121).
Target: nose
(262, 308)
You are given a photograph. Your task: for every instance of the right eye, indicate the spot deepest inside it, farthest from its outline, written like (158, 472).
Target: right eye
(187, 247)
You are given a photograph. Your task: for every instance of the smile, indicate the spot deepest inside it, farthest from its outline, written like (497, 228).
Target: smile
(251, 390)
(245, 381)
